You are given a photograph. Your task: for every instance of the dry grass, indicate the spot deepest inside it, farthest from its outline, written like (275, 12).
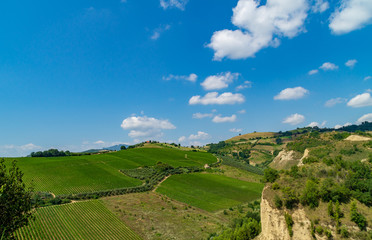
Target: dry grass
(154, 216)
(253, 135)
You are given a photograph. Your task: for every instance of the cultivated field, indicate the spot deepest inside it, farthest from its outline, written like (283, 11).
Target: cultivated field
(80, 220)
(209, 191)
(77, 174)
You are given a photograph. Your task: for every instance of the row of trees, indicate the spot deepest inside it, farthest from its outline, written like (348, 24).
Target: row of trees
(51, 153)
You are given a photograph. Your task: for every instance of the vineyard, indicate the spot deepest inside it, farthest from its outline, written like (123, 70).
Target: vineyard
(80, 220)
(79, 174)
(209, 191)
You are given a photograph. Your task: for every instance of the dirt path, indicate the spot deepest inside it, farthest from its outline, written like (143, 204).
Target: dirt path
(161, 183)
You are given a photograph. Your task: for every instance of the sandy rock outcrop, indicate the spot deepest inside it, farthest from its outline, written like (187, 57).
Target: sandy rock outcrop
(285, 159)
(274, 226)
(306, 154)
(357, 138)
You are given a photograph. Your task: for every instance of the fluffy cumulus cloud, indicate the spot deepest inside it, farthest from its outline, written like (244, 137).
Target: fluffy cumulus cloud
(350, 16)
(219, 119)
(314, 71)
(316, 124)
(215, 98)
(18, 150)
(345, 125)
(260, 26)
(180, 4)
(351, 63)
(219, 81)
(294, 119)
(361, 100)
(332, 102)
(292, 93)
(144, 127)
(192, 77)
(328, 66)
(246, 84)
(199, 136)
(194, 139)
(236, 130)
(365, 118)
(202, 115)
(320, 6)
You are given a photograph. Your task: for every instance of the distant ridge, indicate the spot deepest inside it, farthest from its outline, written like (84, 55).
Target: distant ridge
(112, 148)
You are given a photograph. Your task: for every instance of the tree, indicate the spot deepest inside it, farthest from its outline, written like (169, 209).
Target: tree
(123, 147)
(15, 200)
(270, 175)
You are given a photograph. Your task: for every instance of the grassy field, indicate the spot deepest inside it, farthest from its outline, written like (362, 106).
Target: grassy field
(209, 191)
(66, 175)
(81, 220)
(157, 217)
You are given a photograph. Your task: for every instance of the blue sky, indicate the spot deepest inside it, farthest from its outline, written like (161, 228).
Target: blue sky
(87, 74)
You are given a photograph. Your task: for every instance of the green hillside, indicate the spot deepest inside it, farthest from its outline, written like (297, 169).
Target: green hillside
(81, 220)
(209, 191)
(87, 173)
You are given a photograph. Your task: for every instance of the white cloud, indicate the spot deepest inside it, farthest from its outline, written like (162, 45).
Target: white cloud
(158, 31)
(219, 81)
(243, 111)
(180, 4)
(351, 63)
(143, 126)
(192, 77)
(200, 136)
(312, 72)
(202, 115)
(345, 125)
(236, 130)
(334, 101)
(320, 6)
(18, 150)
(367, 78)
(328, 66)
(350, 16)
(99, 142)
(316, 124)
(182, 139)
(214, 98)
(292, 93)
(246, 84)
(361, 100)
(294, 119)
(365, 118)
(219, 119)
(260, 26)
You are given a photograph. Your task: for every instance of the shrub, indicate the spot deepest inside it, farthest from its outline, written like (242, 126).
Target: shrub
(289, 222)
(275, 186)
(357, 217)
(310, 195)
(270, 175)
(328, 233)
(319, 230)
(289, 197)
(343, 232)
(278, 202)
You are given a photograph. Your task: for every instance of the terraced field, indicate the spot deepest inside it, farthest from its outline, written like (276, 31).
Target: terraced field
(80, 220)
(209, 191)
(67, 175)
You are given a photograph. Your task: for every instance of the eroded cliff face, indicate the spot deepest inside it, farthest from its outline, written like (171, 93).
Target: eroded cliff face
(285, 159)
(274, 226)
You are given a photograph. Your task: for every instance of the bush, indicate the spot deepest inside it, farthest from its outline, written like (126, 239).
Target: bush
(343, 232)
(289, 222)
(357, 217)
(310, 195)
(275, 186)
(278, 202)
(328, 233)
(289, 197)
(319, 230)
(270, 175)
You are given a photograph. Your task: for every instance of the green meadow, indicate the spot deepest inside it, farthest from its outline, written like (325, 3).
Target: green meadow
(209, 191)
(80, 220)
(77, 174)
